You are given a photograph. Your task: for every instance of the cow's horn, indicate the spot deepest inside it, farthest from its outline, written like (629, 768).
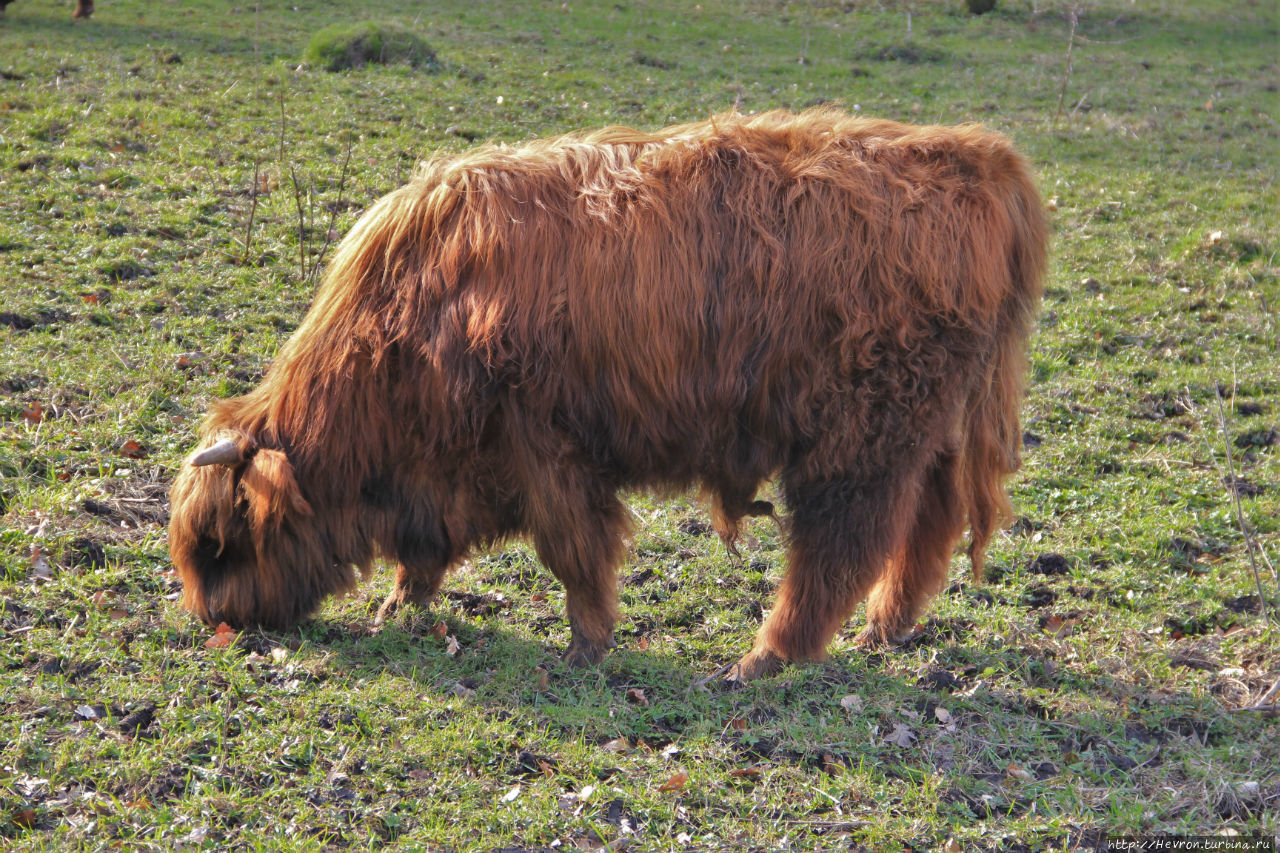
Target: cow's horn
(225, 452)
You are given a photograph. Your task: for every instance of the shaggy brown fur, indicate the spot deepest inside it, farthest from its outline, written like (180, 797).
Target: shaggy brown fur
(519, 333)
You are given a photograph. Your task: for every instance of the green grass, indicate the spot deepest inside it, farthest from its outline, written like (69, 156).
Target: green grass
(345, 46)
(1044, 710)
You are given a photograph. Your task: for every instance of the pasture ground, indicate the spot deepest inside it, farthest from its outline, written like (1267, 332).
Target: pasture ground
(1092, 686)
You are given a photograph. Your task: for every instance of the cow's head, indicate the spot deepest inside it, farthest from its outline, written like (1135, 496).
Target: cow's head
(245, 540)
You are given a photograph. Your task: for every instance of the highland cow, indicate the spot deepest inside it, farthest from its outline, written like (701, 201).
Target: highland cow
(518, 334)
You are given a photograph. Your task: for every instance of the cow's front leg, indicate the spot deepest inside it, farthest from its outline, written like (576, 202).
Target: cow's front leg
(412, 586)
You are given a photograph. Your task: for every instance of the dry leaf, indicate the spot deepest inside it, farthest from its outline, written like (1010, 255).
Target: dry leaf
(223, 636)
(952, 846)
(33, 413)
(118, 613)
(25, 818)
(676, 782)
(451, 646)
(616, 745)
(636, 696)
(40, 568)
(1059, 627)
(510, 796)
(1016, 772)
(132, 450)
(851, 703)
(543, 680)
(439, 630)
(901, 735)
(643, 644)
(944, 716)
(752, 772)
(738, 724)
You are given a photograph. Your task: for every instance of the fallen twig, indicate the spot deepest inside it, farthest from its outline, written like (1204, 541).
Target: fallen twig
(1264, 705)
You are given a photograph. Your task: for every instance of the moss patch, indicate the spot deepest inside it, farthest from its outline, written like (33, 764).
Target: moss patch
(344, 46)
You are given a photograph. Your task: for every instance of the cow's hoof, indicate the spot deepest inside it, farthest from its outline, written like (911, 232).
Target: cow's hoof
(389, 606)
(731, 548)
(393, 602)
(756, 663)
(398, 598)
(582, 654)
(882, 637)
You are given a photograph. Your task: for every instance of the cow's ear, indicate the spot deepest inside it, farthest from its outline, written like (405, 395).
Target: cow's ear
(270, 488)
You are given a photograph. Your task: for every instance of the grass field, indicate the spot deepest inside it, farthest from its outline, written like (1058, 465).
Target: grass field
(170, 179)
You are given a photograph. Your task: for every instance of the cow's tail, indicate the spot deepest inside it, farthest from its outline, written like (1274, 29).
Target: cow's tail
(992, 431)
(992, 439)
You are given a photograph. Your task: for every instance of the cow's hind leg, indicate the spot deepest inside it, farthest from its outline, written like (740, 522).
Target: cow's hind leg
(919, 569)
(579, 529)
(729, 505)
(726, 519)
(842, 531)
